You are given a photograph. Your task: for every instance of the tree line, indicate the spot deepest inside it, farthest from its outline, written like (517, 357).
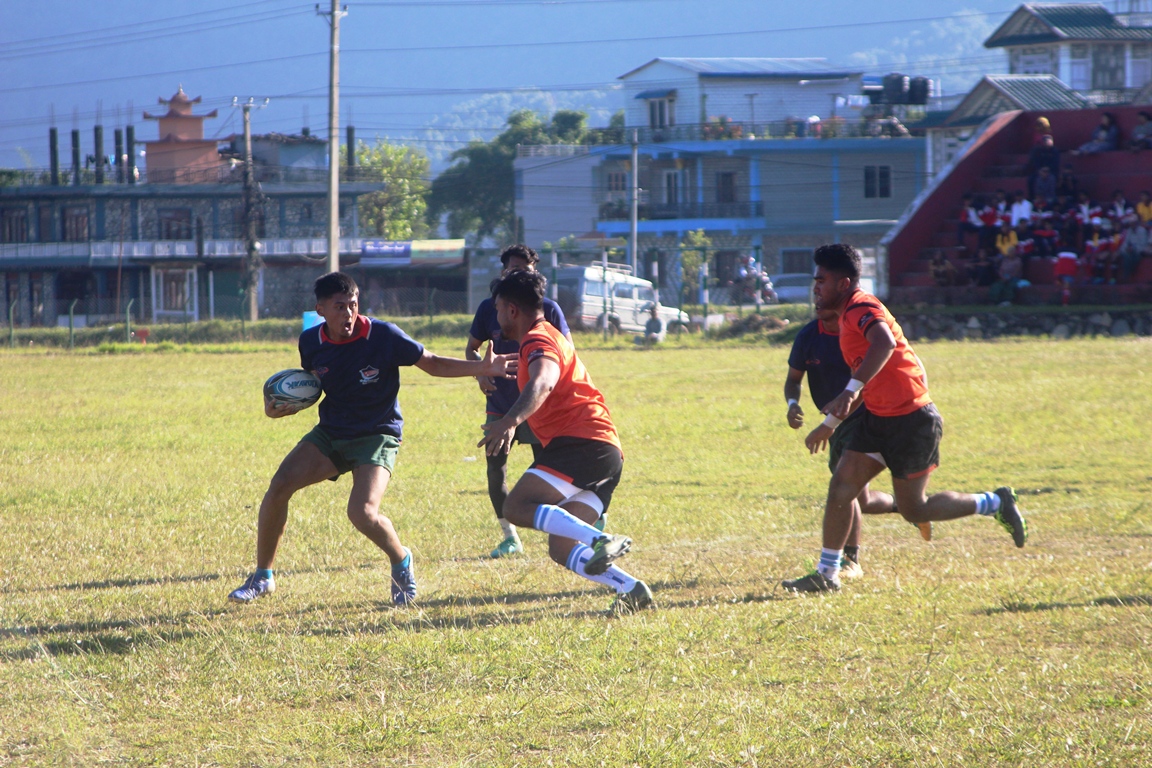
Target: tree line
(475, 195)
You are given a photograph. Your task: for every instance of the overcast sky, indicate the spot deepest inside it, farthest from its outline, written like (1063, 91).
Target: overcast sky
(413, 69)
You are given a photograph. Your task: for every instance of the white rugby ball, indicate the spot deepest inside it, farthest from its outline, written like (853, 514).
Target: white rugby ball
(294, 386)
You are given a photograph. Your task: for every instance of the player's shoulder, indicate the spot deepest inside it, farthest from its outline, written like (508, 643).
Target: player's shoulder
(487, 307)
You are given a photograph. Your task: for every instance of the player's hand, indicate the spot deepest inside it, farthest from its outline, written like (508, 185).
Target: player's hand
(275, 410)
(795, 416)
(500, 366)
(817, 439)
(487, 384)
(841, 405)
(498, 437)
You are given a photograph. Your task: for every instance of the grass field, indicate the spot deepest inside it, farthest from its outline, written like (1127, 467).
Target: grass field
(128, 487)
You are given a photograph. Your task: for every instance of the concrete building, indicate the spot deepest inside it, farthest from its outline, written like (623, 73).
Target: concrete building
(169, 240)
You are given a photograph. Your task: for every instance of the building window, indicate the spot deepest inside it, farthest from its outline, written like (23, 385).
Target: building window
(877, 181)
(617, 181)
(175, 223)
(13, 225)
(661, 113)
(76, 224)
(671, 187)
(1141, 69)
(1108, 66)
(1079, 68)
(726, 187)
(796, 260)
(46, 231)
(518, 184)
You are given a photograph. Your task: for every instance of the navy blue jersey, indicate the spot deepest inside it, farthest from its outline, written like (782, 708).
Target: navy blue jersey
(817, 353)
(486, 328)
(360, 377)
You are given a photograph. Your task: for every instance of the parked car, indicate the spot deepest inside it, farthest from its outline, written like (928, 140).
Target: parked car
(793, 287)
(593, 297)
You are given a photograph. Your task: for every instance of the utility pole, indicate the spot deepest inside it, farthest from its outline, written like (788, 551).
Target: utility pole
(334, 17)
(633, 252)
(252, 202)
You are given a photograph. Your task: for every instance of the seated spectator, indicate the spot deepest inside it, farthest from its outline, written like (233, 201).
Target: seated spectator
(1002, 206)
(1067, 265)
(1044, 185)
(1135, 245)
(1142, 133)
(1041, 128)
(1003, 291)
(1025, 243)
(653, 329)
(1119, 208)
(943, 270)
(1043, 155)
(1105, 138)
(1021, 209)
(981, 270)
(1100, 251)
(1144, 207)
(1067, 220)
(1006, 238)
(1068, 185)
(1044, 235)
(969, 220)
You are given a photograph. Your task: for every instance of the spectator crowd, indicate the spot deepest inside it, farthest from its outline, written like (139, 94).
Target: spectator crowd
(1088, 240)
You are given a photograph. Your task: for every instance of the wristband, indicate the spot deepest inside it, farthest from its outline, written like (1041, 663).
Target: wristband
(854, 385)
(831, 421)
(793, 401)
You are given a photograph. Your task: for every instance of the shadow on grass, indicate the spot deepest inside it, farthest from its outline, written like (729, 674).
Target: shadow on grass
(1124, 601)
(101, 644)
(152, 581)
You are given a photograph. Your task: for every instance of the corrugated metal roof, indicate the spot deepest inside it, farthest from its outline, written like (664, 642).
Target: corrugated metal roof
(755, 67)
(1057, 22)
(1038, 92)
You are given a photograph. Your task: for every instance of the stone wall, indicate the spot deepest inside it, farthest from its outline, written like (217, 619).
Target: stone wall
(990, 325)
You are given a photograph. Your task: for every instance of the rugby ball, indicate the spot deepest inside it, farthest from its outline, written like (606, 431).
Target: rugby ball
(294, 386)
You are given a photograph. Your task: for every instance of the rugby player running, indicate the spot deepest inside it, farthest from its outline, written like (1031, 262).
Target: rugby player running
(816, 354)
(569, 485)
(501, 393)
(901, 424)
(358, 361)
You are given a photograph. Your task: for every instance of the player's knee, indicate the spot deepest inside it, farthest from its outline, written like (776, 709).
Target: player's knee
(281, 487)
(364, 517)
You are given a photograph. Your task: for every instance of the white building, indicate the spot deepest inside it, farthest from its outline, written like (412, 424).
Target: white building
(677, 98)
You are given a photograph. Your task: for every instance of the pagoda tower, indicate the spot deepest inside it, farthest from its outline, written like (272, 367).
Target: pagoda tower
(182, 155)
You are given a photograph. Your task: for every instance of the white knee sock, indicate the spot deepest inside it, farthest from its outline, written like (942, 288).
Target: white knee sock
(556, 521)
(613, 577)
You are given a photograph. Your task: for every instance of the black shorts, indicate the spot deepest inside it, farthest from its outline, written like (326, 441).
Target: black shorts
(586, 465)
(843, 436)
(910, 444)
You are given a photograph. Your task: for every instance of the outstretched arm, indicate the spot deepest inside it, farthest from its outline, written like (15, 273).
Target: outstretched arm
(499, 366)
(543, 373)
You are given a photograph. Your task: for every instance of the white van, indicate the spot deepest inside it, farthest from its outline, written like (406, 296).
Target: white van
(593, 296)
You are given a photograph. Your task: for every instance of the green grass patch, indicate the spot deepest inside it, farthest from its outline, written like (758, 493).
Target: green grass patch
(128, 489)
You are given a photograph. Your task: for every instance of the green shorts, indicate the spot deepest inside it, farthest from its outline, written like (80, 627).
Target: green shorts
(346, 455)
(524, 434)
(842, 436)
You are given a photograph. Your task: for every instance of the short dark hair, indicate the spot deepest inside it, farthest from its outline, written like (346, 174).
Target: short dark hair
(840, 258)
(521, 287)
(333, 283)
(520, 251)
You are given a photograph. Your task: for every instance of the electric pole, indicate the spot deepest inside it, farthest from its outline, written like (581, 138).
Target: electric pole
(253, 200)
(632, 232)
(334, 17)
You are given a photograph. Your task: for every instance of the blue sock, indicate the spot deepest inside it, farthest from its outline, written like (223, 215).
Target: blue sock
(987, 503)
(263, 573)
(405, 563)
(829, 564)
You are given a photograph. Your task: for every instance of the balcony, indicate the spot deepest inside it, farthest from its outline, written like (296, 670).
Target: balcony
(724, 129)
(221, 174)
(173, 250)
(620, 211)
